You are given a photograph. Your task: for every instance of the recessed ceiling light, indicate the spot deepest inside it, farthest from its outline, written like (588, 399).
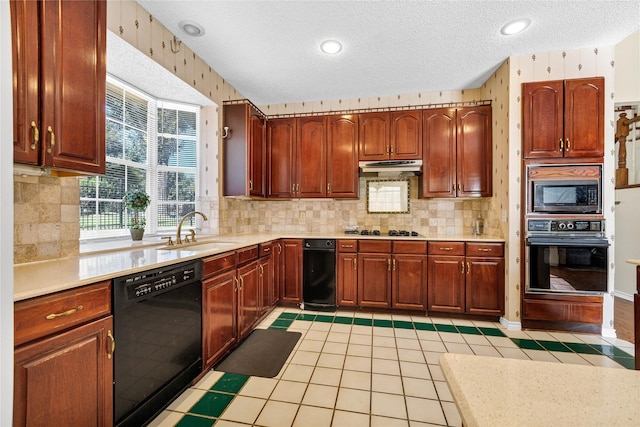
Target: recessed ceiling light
(331, 46)
(191, 28)
(514, 27)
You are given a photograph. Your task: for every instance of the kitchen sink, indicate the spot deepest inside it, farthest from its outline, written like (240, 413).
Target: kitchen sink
(198, 246)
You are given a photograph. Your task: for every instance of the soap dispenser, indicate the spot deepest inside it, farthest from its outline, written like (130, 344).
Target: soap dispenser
(478, 226)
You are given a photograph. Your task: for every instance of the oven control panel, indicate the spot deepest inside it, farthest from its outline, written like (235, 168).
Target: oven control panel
(565, 226)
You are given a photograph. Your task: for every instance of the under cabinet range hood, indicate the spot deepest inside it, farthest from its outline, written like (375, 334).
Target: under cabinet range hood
(392, 167)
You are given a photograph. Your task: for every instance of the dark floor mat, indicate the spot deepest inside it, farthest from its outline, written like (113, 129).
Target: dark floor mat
(262, 354)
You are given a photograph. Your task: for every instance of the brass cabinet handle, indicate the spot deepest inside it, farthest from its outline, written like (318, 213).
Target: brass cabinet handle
(568, 144)
(64, 313)
(112, 348)
(261, 270)
(293, 188)
(459, 188)
(346, 246)
(468, 267)
(241, 282)
(446, 249)
(53, 139)
(561, 144)
(484, 249)
(355, 263)
(389, 264)
(390, 149)
(328, 187)
(279, 249)
(462, 267)
(36, 135)
(394, 265)
(237, 284)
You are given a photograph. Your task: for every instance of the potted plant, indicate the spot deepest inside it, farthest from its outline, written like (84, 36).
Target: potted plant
(136, 201)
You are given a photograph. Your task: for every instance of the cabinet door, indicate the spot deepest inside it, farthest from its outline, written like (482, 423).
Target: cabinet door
(347, 280)
(73, 58)
(26, 83)
(218, 317)
(278, 271)
(485, 286)
(374, 280)
(311, 152)
(66, 379)
(474, 156)
(281, 135)
(374, 136)
(584, 117)
(342, 156)
(439, 163)
(257, 154)
(291, 286)
(409, 282)
(446, 284)
(265, 280)
(235, 150)
(406, 135)
(248, 300)
(542, 116)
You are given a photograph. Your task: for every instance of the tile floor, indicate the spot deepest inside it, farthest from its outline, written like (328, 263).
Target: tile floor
(358, 369)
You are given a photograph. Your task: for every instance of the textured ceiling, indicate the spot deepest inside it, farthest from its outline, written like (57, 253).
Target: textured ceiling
(268, 50)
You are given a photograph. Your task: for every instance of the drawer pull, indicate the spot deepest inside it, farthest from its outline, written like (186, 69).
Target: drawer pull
(113, 344)
(64, 313)
(446, 249)
(346, 246)
(468, 268)
(355, 263)
(484, 249)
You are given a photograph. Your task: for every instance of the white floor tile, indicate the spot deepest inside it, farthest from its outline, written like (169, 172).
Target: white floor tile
(331, 360)
(385, 353)
(452, 414)
(502, 342)
(277, 414)
(166, 419)
(320, 395)
(356, 379)
(302, 357)
(350, 419)
(436, 373)
(418, 387)
(379, 341)
(243, 409)
(406, 333)
(388, 405)
(411, 344)
(437, 346)
(452, 337)
(298, 373)
(428, 336)
(356, 363)
(385, 366)
(326, 376)
(485, 350)
(377, 421)
(360, 339)
(540, 335)
(459, 348)
(476, 340)
(311, 345)
(425, 410)
(289, 391)
(540, 355)
(354, 400)
(310, 416)
(597, 360)
(574, 358)
(383, 332)
(410, 355)
(334, 348)
(316, 335)
(186, 400)
(513, 353)
(361, 330)
(444, 393)
(208, 380)
(320, 327)
(338, 337)
(359, 350)
(258, 387)
(386, 384)
(414, 370)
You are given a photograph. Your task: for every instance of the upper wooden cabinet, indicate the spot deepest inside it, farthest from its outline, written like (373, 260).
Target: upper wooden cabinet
(59, 80)
(281, 135)
(457, 158)
(244, 151)
(563, 118)
(342, 156)
(310, 173)
(393, 135)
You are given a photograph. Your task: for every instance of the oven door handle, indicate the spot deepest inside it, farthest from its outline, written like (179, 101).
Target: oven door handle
(580, 242)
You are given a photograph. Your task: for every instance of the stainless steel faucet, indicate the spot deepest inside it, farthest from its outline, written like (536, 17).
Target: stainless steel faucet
(193, 233)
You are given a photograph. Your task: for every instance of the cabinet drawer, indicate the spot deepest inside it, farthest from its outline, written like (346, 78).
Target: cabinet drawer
(374, 246)
(485, 249)
(265, 249)
(347, 245)
(42, 316)
(218, 264)
(247, 254)
(409, 247)
(446, 248)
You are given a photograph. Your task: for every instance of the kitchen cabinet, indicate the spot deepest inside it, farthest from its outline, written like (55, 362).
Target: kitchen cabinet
(395, 135)
(218, 307)
(291, 281)
(347, 273)
(392, 274)
(342, 156)
(310, 173)
(266, 287)
(277, 262)
(248, 302)
(457, 152)
(59, 84)
(244, 151)
(466, 278)
(563, 118)
(281, 136)
(63, 370)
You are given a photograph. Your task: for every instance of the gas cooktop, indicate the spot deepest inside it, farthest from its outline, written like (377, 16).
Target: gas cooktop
(393, 233)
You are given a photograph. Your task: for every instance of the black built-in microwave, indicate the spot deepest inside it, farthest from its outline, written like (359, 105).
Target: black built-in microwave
(566, 196)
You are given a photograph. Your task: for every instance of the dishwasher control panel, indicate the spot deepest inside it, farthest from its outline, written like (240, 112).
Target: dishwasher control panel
(159, 280)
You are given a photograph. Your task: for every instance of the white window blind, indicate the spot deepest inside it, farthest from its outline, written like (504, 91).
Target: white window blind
(150, 145)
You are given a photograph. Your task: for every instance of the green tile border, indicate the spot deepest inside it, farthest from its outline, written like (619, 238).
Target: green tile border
(420, 326)
(362, 322)
(212, 404)
(230, 383)
(445, 328)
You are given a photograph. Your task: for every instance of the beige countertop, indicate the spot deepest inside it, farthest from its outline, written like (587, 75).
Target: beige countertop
(107, 260)
(495, 392)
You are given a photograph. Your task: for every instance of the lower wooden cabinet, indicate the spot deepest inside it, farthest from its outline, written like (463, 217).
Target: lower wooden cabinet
(218, 316)
(65, 379)
(347, 273)
(291, 281)
(466, 278)
(248, 301)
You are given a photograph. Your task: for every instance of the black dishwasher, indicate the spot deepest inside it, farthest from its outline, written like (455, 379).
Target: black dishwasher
(319, 274)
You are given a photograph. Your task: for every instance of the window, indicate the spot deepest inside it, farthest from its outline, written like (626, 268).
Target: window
(150, 145)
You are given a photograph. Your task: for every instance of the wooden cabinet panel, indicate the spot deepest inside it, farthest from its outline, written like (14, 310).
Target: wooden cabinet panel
(347, 279)
(70, 38)
(311, 157)
(474, 155)
(265, 284)
(439, 163)
(218, 317)
(278, 270)
(46, 315)
(485, 286)
(409, 247)
(218, 264)
(342, 156)
(248, 299)
(446, 248)
(446, 284)
(563, 118)
(374, 246)
(374, 280)
(374, 136)
(281, 134)
(406, 135)
(485, 249)
(409, 282)
(257, 155)
(247, 254)
(291, 285)
(562, 311)
(66, 379)
(347, 245)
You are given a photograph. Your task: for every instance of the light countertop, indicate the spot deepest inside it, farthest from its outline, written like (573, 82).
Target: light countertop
(107, 260)
(495, 392)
